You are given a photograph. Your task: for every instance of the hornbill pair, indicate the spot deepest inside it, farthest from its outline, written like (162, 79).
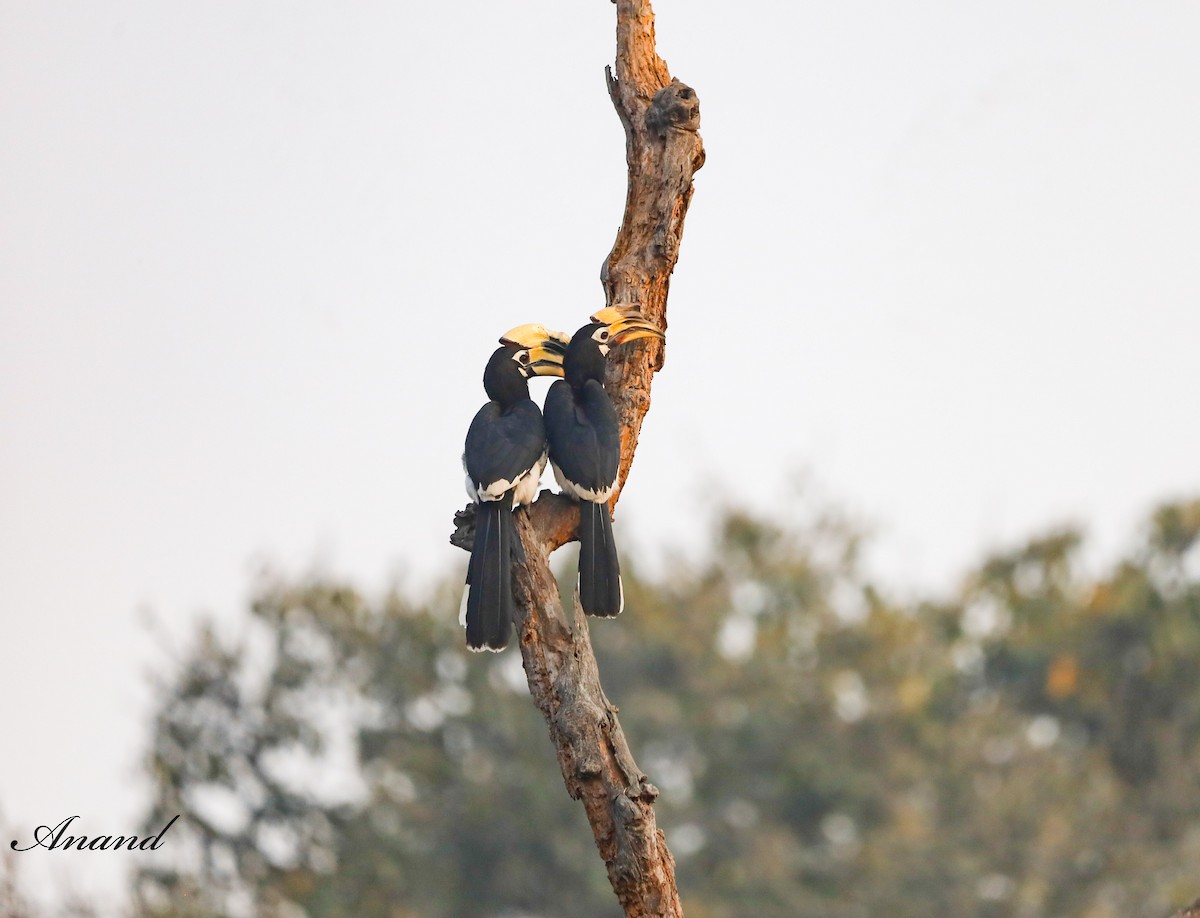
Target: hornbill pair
(506, 450)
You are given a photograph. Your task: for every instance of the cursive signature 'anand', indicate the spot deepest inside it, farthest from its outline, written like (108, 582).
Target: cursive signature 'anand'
(51, 838)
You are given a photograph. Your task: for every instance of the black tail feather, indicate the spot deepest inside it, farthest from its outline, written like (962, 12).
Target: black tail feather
(489, 599)
(599, 570)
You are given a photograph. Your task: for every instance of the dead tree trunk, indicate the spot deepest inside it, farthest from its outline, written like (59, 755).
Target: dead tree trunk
(663, 150)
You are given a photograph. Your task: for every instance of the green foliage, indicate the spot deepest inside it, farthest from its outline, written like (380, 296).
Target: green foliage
(1029, 748)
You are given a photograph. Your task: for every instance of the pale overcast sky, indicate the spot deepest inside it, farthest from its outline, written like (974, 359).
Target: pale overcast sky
(253, 256)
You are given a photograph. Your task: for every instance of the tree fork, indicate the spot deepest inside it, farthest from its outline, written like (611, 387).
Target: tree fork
(663, 150)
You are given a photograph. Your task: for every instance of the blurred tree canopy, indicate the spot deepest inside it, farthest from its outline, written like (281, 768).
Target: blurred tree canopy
(1029, 748)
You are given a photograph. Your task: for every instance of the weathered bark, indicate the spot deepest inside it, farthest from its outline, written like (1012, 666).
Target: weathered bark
(663, 150)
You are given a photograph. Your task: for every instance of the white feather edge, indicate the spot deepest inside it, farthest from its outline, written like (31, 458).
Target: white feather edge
(524, 486)
(573, 490)
(620, 586)
(462, 620)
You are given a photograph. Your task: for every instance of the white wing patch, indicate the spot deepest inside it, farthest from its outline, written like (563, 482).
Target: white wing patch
(527, 485)
(524, 486)
(471, 490)
(573, 490)
(497, 489)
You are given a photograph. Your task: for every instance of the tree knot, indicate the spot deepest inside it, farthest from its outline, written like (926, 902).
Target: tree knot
(674, 106)
(464, 528)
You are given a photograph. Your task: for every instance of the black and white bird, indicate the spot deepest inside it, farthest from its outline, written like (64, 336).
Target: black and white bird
(584, 439)
(504, 457)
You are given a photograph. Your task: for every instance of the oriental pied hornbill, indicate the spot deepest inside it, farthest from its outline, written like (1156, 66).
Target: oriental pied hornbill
(584, 439)
(504, 458)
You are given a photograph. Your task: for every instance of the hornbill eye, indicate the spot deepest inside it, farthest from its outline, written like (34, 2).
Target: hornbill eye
(523, 357)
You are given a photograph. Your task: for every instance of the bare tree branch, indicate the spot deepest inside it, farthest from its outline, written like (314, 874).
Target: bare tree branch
(661, 117)
(662, 151)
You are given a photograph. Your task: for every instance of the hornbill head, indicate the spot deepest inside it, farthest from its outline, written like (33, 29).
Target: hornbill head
(538, 350)
(524, 352)
(614, 325)
(543, 349)
(620, 317)
(611, 326)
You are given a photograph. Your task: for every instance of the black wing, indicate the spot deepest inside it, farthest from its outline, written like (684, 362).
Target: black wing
(501, 446)
(583, 433)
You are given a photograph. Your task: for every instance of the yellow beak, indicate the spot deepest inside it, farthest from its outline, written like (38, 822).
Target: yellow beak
(632, 329)
(546, 348)
(610, 314)
(626, 323)
(536, 335)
